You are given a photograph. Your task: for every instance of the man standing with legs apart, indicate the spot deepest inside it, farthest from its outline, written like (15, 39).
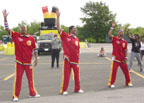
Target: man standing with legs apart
(56, 47)
(24, 46)
(119, 57)
(135, 52)
(71, 48)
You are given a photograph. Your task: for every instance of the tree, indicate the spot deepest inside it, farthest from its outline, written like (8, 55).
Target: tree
(32, 28)
(132, 31)
(2, 32)
(97, 21)
(140, 31)
(125, 28)
(18, 28)
(66, 29)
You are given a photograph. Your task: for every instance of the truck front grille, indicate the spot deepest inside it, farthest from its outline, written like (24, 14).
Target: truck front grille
(45, 45)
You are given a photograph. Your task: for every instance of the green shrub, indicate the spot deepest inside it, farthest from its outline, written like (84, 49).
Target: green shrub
(91, 40)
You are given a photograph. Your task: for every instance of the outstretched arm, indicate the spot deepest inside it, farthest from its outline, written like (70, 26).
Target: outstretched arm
(58, 20)
(128, 34)
(110, 31)
(5, 14)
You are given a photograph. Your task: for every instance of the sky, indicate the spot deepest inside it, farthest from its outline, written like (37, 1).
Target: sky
(128, 11)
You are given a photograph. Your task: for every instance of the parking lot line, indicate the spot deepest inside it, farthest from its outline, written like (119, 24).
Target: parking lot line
(13, 74)
(108, 58)
(136, 73)
(8, 77)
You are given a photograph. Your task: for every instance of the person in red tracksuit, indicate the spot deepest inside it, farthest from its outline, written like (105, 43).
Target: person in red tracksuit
(24, 47)
(71, 48)
(119, 57)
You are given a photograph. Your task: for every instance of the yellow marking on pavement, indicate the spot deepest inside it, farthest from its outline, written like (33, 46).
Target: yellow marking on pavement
(11, 75)
(136, 73)
(109, 59)
(8, 77)
(2, 59)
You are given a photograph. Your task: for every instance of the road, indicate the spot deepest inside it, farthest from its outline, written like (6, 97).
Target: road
(94, 75)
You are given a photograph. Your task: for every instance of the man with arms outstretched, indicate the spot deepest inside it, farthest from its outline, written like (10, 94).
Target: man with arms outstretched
(119, 57)
(24, 47)
(71, 47)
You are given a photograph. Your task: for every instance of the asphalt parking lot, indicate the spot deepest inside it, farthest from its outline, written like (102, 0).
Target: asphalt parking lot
(94, 76)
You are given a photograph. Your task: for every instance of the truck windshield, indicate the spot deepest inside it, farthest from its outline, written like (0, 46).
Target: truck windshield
(46, 37)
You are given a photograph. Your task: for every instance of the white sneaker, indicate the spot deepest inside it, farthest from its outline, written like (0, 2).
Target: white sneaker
(130, 85)
(65, 93)
(112, 86)
(15, 99)
(36, 96)
(80, 91)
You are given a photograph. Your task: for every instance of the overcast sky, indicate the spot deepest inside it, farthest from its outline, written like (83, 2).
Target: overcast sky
(128, 11)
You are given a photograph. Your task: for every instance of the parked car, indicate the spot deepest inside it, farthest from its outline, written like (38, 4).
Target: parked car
(6, 38)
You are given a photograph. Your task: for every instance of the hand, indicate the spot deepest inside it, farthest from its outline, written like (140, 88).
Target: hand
(5, 13)
(113, 24)
(60, 49)
(35, 62)
(57, 12)
(125, 61)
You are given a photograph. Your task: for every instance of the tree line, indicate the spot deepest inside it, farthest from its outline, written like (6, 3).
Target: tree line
(32, 28)
(96, 21)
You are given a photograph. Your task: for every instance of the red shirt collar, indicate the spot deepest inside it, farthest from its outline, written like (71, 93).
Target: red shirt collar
(72, 35)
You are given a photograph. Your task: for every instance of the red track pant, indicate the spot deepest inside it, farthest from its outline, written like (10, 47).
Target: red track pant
(66, 76)
(19, 70)
(124, 68)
